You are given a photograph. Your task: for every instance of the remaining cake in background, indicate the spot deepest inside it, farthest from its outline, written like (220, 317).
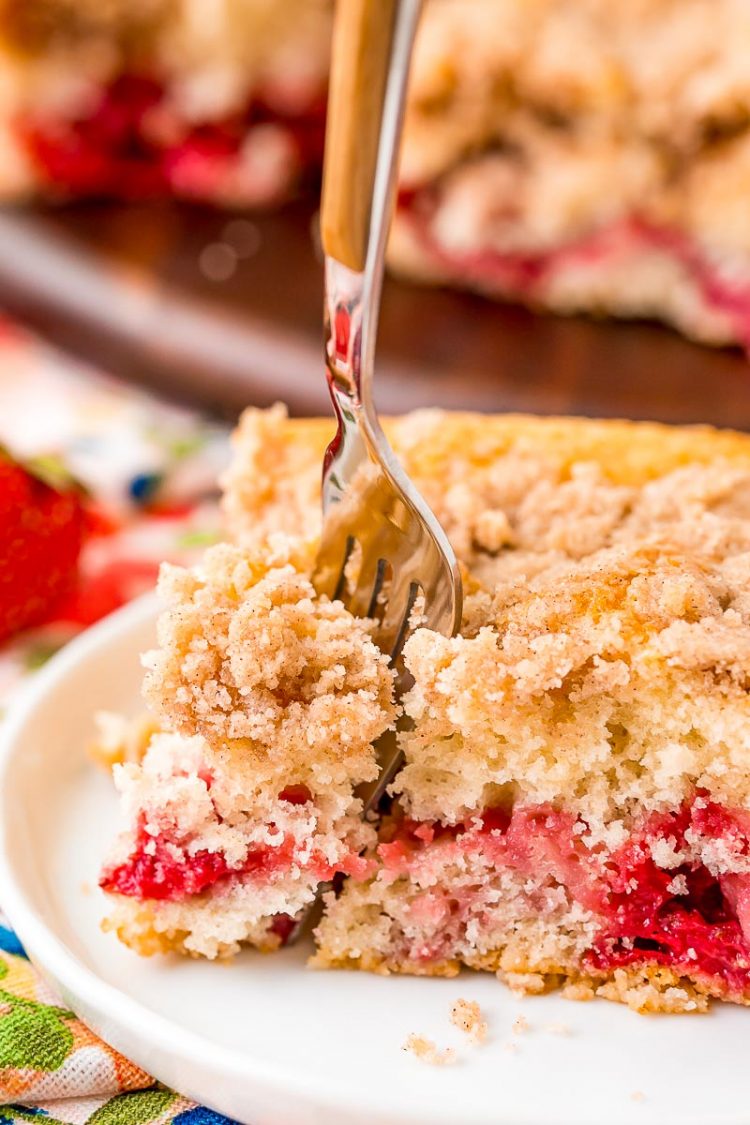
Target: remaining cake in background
(584, 155)
(576, 155)
(574, 808)
(221, 101)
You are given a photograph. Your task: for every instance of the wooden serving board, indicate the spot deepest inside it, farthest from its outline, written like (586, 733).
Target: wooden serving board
(126, 287)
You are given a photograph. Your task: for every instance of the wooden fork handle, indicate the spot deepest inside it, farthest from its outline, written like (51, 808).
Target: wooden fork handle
(362, 42)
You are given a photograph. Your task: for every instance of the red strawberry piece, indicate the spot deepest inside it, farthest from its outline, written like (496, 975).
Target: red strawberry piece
(41, 530)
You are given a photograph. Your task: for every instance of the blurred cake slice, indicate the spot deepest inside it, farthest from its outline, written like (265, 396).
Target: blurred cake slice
(219, 102)
(576, 155)
(583, 155)
(269, 701)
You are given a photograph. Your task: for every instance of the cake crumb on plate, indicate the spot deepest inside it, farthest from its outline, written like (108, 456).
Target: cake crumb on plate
(427, 1051)
(467, 1016)
(520, 1025)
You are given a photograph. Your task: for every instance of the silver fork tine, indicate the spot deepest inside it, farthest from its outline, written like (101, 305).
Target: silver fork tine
(398, 614)
(368, 499)
(383, 572)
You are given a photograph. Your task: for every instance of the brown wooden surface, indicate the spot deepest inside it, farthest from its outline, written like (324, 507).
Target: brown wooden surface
(123, 286)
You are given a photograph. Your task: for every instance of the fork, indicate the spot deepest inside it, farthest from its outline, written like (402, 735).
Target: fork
(382, 552)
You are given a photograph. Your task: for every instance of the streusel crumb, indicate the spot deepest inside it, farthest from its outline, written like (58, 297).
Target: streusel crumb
(426, 1051)
(467, 1016)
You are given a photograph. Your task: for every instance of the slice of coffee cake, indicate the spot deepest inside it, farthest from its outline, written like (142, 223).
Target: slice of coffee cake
(273, 699)
(574, 807)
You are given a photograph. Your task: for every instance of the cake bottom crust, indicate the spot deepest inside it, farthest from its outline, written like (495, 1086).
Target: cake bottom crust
(148, 931)
(645, 989)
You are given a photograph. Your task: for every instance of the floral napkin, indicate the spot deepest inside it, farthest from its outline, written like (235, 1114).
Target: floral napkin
(150, 470)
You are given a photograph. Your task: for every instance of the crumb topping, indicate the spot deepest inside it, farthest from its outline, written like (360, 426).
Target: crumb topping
(271, 486)
(250, 659)
(269, 701)
(619, 680)
(608, 568)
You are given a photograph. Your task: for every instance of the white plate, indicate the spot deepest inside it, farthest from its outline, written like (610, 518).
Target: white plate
(270, 1043)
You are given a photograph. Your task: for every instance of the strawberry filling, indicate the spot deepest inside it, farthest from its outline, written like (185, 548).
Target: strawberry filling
(117, 149)
(155, 871)
(159, 867)
(536, 841)
(682, 916)
(283, 925)
(525, 274)
(685, 917)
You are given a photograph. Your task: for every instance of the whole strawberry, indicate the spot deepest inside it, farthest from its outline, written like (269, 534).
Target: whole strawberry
(41, 530)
